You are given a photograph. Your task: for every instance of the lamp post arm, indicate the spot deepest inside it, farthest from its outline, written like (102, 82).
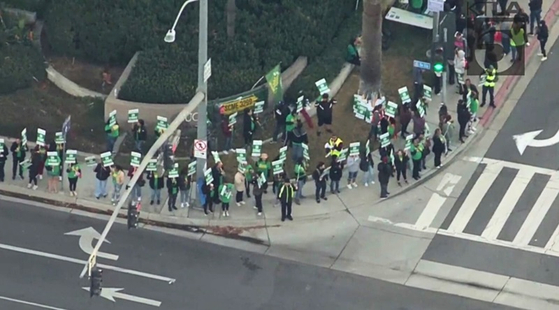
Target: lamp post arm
(180, 12)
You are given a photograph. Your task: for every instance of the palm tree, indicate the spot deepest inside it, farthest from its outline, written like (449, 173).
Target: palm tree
(231, 12)
(371, 38)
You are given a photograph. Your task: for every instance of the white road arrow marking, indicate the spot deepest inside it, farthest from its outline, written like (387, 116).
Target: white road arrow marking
(112, 293)
(87, 235)
(28, 303)
(529, 139)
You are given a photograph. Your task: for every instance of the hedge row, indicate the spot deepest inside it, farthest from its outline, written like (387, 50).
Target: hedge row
(267, 32)
(27, 5)
(21, 63)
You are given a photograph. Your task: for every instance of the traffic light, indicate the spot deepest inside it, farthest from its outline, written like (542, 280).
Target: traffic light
(438, 58)
(168, 157)
(133, 215)
(96, 279)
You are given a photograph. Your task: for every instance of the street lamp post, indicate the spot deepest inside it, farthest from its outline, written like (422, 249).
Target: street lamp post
(202, 85)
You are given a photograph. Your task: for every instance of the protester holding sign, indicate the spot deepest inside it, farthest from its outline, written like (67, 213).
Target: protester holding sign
(416, 152)
(208, 192)
(227, 131)
(257, 191)
(173, 191)
(18, 150)
(225, 192)
(249, 173)
(298, 138)
(320, 177)
(140, 135)
(74, 172)
(112, 130)
(249, 127)
(33, 170)
(281, 111)
(185, 181)
(53, 171)
(118, 181)
(300, 178)
(324, 112)
(137, 189)
(290, 123)
(239, 181)
(3, 157)
(156, 184)
(102, 173)
(42, 152)
(263, 166)
(353, 169)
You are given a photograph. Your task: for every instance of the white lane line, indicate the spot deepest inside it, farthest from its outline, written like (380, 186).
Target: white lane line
(34, 304)
(508, 164)
(82, 262)
(430, 212)
(507, 204)
(475, 196)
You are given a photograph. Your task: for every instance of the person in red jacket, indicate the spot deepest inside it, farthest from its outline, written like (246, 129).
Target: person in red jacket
(227, 131)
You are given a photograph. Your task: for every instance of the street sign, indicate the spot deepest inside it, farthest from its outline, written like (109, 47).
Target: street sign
(435, 5)
(421, 65)
(207, 70)
(66, 125)
(200, 148)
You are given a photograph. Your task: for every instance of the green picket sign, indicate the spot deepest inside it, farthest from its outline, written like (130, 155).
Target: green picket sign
(409, 142)
(306, 154)
(343, 155)
(133, 115)
(277, 166)
(152, 165)
(427, 92)
(24, 136)
(41, 134)
(216, 157)
(385, 139)
(283, 153)
(208, 176)
(2, 144)
(162, 123)
(241, 155)
(300, 103)
(404, 94)
(322, 86)
(112, 118)
(53, 159)
(135, 159)
(192, 168)
(256, 148)
(71, 156)
(174, 173)
(354, 148)
(59, 138)
(420, 108)
(258, 107)
(107, 159)
(233, 119)
(262, 179)
(91, 161)
(391, 109)
(368, 147)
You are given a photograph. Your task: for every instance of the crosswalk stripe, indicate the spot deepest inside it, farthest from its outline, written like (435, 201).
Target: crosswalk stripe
(507, 204)
(538, 212)
(489, 162)
(474, 198)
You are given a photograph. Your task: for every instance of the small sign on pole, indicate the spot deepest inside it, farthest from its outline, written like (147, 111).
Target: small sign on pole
(207, 70)
(200, 148)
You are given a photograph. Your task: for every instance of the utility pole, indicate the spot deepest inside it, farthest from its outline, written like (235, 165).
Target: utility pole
(202, 132)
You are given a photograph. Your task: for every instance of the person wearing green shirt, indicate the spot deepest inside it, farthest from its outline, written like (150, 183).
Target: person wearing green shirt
(290, 123)
(249, 171)
(473, 105)
(416, 152)
(74, 172)
(301, 178)
(173, 191)
(53, 171)
(225, 191)
(264, 166)
(113, 131)
(352, 53)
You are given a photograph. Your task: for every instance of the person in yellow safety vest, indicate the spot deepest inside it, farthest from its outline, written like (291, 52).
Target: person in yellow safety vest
(334, 147)
(518, 42)
(112, 134)
(489, 86)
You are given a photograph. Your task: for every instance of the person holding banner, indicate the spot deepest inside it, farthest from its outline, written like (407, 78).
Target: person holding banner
(34, 170)
(18, 154)
(74, 172)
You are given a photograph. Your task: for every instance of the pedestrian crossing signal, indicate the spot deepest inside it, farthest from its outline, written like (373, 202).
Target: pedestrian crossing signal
(133, 215)
(437, 58)
(96, 279)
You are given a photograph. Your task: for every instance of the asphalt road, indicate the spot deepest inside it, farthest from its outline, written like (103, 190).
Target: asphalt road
(537, 109)
(207, 276)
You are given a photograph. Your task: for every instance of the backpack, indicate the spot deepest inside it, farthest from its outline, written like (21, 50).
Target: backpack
(364, 165)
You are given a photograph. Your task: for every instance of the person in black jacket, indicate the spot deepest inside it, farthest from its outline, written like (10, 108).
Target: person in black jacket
(324, 113)
(438, 147)
(3, 157)
(173, 191)
(463, 119)
(286, 193)
(367, 165)
(384, 172)
(34, 170)
(156, 184)
(208, 191)
(249, 127)
(18, 154)
(298, 138)
(335, 177)
(320, 178)
(401, 160)
(185, 182)
(280, 112)
(543, 34)
(140, 135)
(102, 173)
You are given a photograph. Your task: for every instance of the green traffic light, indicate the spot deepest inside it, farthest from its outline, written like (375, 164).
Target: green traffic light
(438, 67)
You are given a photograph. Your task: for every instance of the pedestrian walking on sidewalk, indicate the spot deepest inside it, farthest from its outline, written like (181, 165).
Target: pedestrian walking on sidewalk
(73, 172)
(301, 178)
(367, 165)
(225, 192)
(384, 173)
(324, 109)
(3, 157)
(535, 13)
(438, 147)
(416, 152)
(185, 183)
(463, 119)
(173, 191)
(239, 181)
(401, 161)
(42, 151)
(352, 169)
(257, 191)
(102, 173)
(18, 154)
(137, 189)
(118, 181)
(286, 194)
(34, 170)
(208, 194)
(140, 135)
(320, 177)
(156, 184)
(335, 177)
(543, 34)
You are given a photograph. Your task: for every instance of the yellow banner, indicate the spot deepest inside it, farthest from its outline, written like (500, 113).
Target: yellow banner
(240, 104)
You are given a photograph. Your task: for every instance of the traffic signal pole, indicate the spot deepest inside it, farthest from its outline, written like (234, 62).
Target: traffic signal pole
(437, 39)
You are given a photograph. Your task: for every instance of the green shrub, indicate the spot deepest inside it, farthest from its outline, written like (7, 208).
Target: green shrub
(21, 64)
(27, 5)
